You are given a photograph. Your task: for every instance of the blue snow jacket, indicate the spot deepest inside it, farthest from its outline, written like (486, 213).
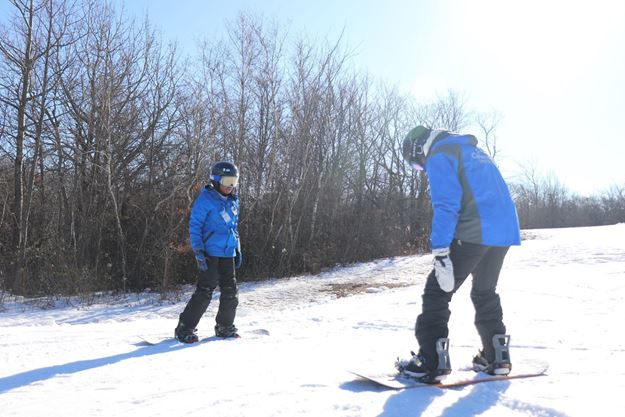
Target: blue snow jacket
(470, 199)
(213, 223)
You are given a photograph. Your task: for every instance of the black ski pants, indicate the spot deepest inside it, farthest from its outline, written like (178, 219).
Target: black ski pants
(484, 264)
(220, 272)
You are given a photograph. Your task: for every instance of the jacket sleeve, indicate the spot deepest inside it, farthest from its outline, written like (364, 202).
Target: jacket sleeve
(446, 192)
(196, 223)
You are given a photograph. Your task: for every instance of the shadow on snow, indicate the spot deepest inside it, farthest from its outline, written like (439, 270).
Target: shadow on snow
(478, 399)
(36, 375)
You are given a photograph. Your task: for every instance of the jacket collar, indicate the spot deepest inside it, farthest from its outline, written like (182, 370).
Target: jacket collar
(434, 135)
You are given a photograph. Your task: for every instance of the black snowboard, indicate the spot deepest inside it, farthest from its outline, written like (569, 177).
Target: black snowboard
(457, 378)
(156, 340)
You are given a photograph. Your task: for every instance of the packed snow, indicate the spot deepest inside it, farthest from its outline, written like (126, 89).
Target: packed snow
(562, 291)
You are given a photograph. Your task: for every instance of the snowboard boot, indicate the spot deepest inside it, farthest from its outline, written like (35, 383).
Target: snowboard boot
(498, 362)
(417, 367)
(227, 332)
(185, 334)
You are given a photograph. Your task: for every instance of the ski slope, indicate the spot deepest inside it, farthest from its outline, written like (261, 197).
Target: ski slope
(563, 294)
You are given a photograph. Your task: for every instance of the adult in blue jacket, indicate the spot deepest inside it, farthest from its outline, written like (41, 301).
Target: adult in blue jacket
(215, 240)
(474, 223)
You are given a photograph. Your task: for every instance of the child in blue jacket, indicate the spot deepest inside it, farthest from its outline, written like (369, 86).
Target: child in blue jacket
(215, 240)
(474, 223)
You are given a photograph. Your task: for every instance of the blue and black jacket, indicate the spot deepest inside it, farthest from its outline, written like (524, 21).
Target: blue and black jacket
(470, 199)
(213, 223)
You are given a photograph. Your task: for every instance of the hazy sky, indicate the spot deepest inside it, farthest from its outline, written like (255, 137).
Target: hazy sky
(554, 69)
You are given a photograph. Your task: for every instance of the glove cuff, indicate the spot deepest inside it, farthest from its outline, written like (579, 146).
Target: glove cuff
(442, 252)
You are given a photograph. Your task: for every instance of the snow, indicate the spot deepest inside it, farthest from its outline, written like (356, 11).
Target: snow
(562, 293)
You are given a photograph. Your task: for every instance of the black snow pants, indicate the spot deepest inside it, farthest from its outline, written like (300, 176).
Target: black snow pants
(220, 272)
(484, 263)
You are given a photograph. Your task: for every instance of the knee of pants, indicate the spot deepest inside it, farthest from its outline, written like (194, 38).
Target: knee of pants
(229, 292)
(205, 293)
(483, 296)
(487, 307)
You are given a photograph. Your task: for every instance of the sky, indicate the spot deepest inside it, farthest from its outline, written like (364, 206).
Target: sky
(301, 336)
(552, 69)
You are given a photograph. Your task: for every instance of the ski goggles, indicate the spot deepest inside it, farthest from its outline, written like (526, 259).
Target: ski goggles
(416, 166)
(230, 182)
(226, 180)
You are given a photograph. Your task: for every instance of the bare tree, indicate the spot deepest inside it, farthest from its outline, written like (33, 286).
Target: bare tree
(38, 31)
(106, 137)
(447, 112)
(488, 123)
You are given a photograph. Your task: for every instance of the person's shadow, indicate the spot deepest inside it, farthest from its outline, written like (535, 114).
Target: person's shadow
(478, 399)
(407, 402)
(35, 375)
(414, 402)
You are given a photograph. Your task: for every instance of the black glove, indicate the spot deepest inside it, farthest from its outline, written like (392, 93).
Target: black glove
(200, 258)
(238, 259)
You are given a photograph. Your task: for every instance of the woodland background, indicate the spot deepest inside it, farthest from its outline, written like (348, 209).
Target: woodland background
(107, 134)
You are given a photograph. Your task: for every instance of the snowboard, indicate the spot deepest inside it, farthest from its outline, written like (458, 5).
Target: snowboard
(458, 378)
(155, 340)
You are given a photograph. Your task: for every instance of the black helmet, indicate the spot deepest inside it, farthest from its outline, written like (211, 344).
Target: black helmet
(412, 149)
(224, 173)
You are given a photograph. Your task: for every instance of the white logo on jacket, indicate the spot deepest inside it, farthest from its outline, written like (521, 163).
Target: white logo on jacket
(481, 157)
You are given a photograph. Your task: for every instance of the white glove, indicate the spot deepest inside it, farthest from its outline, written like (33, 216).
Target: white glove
(444, 269)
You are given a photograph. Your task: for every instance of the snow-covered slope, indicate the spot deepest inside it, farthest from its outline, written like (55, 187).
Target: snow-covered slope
(562, 291)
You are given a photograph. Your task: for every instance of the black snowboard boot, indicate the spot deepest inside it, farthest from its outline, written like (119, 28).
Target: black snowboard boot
(185, 334)
(418, 367)
(494, 361)
(229, 332)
